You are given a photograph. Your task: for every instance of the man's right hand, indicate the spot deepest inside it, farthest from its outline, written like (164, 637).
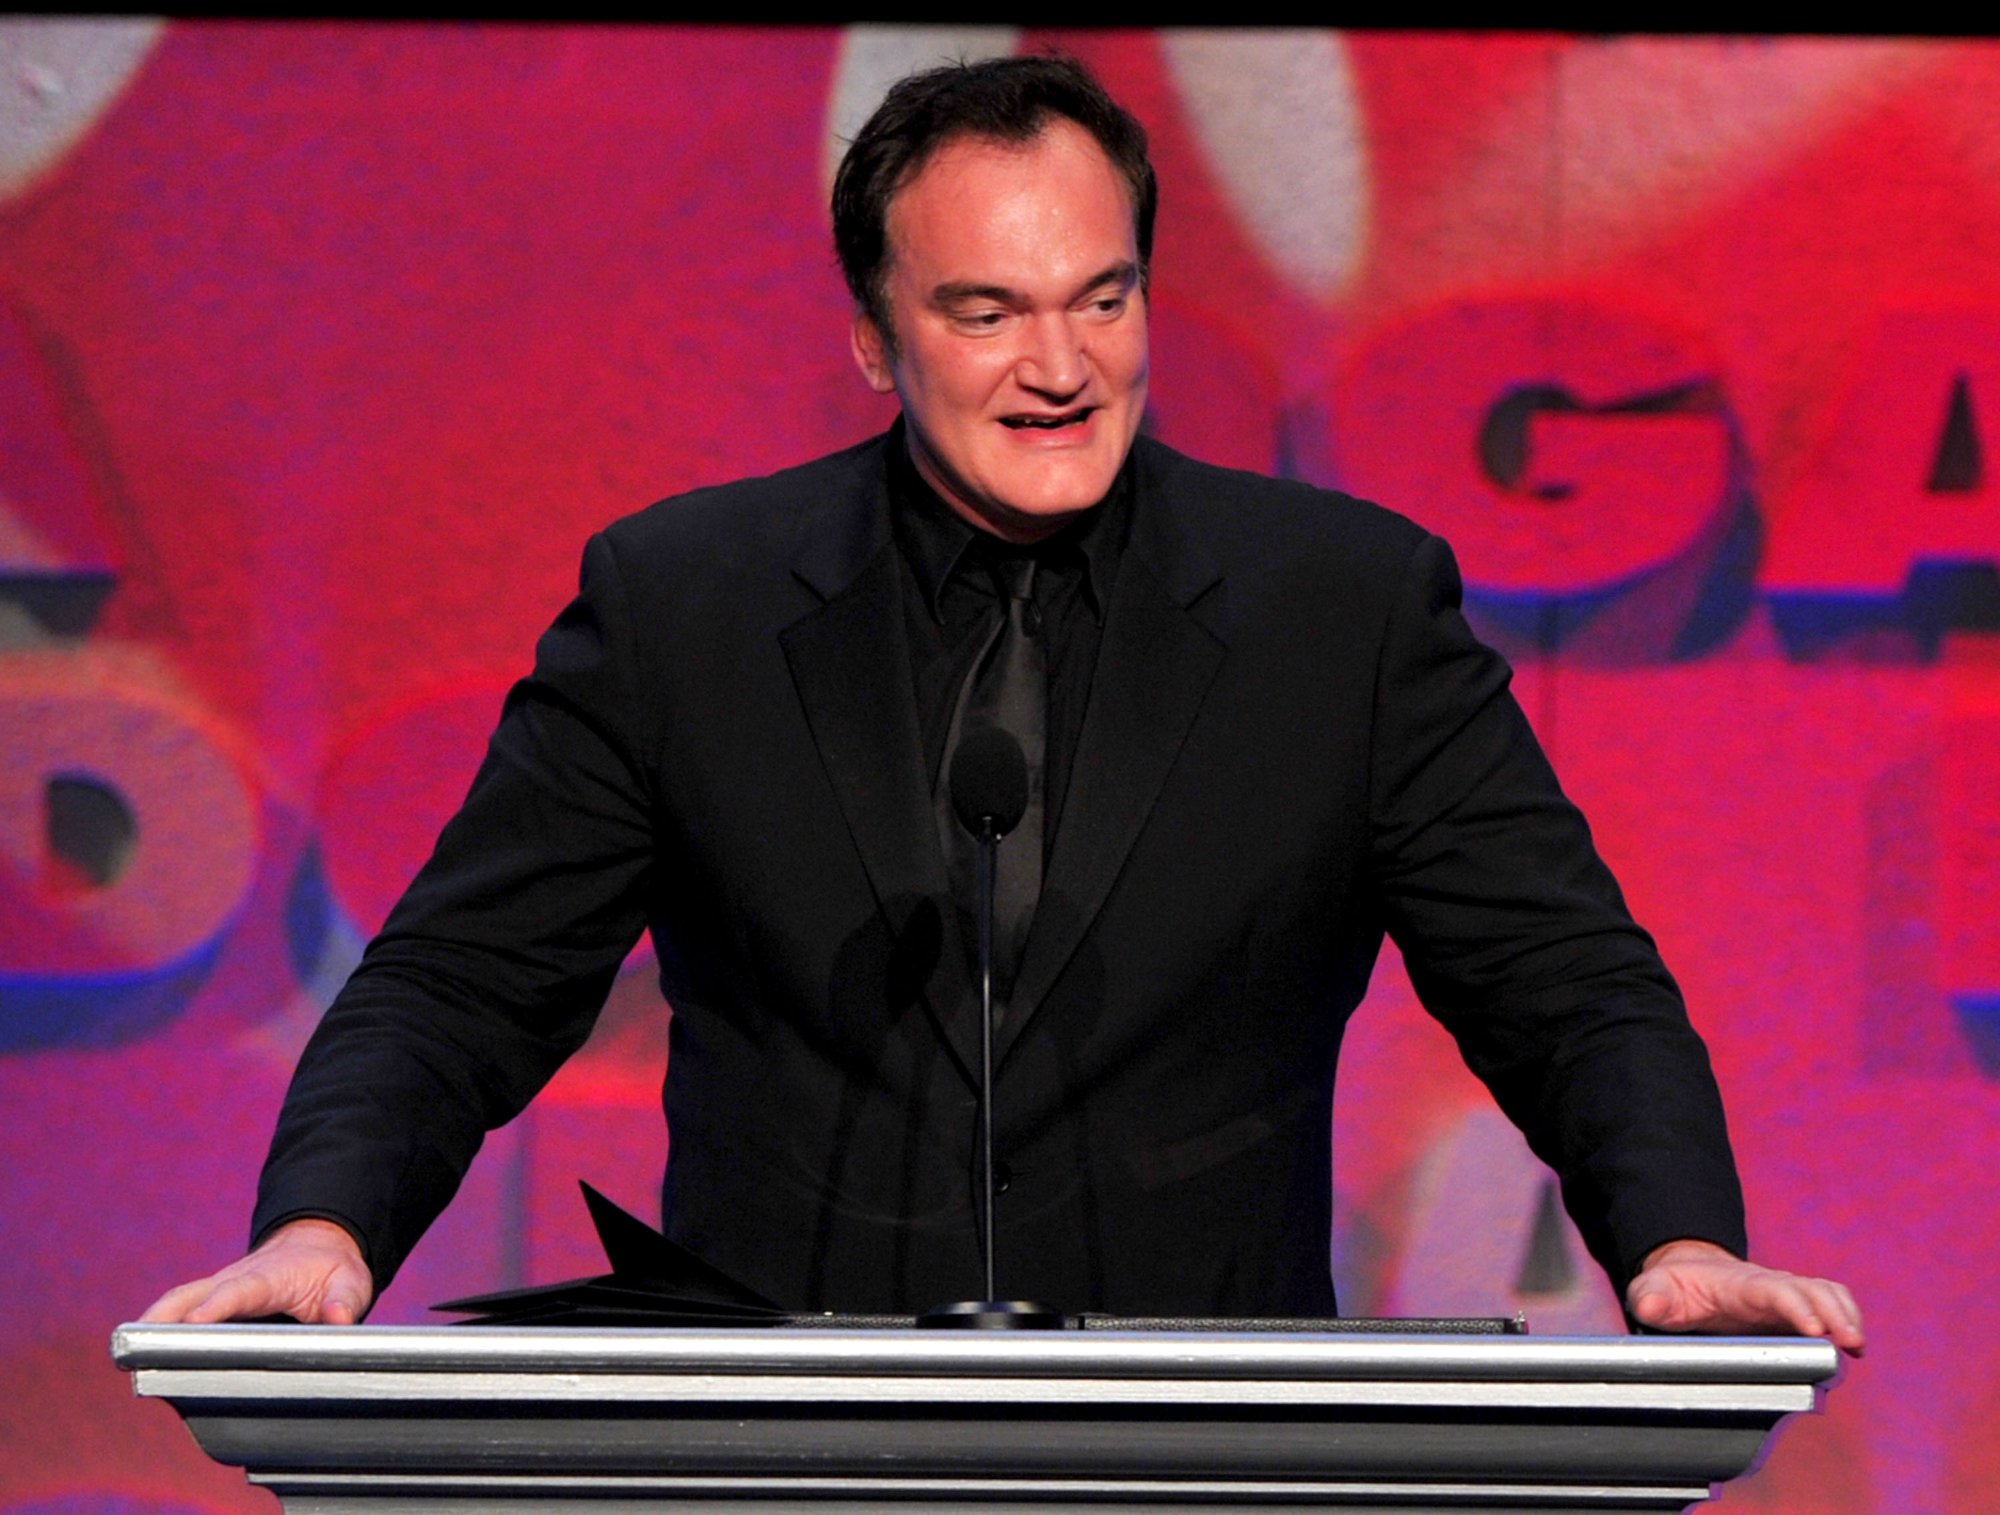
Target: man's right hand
(311, 1270)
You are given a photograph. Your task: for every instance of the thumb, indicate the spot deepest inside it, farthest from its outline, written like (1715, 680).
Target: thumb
(345, 1301)
(1650, 1300)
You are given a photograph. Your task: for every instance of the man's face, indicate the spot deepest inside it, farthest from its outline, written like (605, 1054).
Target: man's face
(1020, 358)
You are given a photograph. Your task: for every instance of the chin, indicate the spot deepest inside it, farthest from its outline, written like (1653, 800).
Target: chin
(1079, 490)
(1045, 514)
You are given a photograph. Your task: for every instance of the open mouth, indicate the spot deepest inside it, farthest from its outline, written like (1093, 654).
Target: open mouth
(1049, 423)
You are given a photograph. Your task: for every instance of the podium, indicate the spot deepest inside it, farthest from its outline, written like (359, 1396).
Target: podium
(365, 1420)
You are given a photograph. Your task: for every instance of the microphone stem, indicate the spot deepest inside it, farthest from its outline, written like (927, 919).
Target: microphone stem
(989, 848)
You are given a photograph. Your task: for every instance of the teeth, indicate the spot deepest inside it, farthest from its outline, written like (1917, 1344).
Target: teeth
(1046, 423)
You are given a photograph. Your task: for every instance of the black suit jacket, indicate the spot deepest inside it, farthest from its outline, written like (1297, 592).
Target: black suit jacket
(1293, 743)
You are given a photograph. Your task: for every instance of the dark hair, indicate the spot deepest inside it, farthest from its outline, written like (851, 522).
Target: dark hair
(998, 99)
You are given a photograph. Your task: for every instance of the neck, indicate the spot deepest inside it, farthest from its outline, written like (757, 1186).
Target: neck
(1016, 529)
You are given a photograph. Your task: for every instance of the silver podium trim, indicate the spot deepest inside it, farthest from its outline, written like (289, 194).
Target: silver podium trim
(375, 1419)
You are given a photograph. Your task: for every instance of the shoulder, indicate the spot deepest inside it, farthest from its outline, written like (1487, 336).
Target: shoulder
(737, 525)
(1253, 523)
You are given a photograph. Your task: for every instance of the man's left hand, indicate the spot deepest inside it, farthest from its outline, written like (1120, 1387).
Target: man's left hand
(1697, 1286)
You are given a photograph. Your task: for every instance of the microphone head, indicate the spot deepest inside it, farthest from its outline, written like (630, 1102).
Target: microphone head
(989, 781)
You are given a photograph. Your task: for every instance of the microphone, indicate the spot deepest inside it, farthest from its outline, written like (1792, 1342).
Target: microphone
(989, 782)
(989, 794)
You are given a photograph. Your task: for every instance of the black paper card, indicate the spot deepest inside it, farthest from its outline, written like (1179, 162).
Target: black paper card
(653, 1283)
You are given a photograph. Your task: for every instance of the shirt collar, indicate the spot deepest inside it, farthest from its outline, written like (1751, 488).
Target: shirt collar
(935, 539)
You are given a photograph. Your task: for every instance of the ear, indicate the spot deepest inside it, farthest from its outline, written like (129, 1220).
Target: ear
(871, 353)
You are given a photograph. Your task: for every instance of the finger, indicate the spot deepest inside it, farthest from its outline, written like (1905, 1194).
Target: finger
(246, 1294)
(1843, 1317)
(1856, 1326)
(1650, 1305)
(1657, 1300)
(173, 1305)
(1651, 1308)
(1844, 1302)
(1781, 1300)
(346, 1297)
(1820, 1307)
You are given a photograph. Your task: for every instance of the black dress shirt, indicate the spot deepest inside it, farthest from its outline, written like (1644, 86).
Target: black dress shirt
(949, 591)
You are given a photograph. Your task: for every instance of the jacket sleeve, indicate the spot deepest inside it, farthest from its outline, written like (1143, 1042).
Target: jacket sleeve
(1518, 940)
(493, 966)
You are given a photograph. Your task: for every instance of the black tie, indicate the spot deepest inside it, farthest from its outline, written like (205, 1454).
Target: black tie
(1008, 687)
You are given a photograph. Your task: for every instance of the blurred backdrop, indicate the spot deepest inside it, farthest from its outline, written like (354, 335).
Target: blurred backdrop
(323, 347)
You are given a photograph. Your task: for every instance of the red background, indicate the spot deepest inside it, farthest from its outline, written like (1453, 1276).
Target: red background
(324, 347)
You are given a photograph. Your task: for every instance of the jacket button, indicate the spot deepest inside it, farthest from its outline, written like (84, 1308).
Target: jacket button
(1003, 1178)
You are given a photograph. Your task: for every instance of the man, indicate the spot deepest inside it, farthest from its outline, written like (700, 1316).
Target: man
(1259, 735)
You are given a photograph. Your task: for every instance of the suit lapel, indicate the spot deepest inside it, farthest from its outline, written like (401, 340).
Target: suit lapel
(850, 665)
(1154, 667)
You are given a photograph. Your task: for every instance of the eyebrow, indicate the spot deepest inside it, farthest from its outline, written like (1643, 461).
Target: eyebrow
(1124, 273)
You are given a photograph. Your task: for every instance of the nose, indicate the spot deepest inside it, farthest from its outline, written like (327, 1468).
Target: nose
(1053, 361)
